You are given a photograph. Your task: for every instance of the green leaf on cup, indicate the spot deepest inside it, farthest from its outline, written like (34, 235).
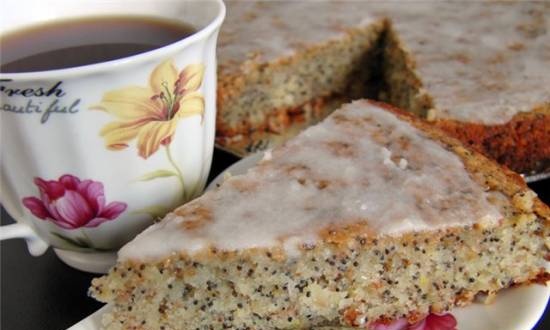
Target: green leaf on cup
(72, 243)
(156, 212)
(156, 174)
(76, 244)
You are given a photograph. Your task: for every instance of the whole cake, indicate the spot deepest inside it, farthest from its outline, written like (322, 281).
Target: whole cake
(481, 75)
(372, 215)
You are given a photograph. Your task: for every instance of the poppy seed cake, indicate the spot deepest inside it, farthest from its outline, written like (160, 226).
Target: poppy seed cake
(371, 215)
(479, 75)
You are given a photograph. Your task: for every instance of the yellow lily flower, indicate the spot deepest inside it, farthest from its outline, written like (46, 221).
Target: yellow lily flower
(151, 114)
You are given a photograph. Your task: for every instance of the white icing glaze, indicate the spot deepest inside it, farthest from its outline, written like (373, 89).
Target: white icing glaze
(361, 164)
(483, 66)
(271, 29)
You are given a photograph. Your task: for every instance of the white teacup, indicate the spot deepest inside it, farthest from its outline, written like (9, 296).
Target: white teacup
(90, 156)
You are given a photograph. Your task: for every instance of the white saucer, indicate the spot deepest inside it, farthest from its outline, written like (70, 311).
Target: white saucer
(96, 262)
(237, 168)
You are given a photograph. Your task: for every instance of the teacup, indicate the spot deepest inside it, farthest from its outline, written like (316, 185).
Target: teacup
(92, 155)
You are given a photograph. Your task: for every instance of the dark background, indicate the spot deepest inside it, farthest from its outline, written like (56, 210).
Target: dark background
(42, 293)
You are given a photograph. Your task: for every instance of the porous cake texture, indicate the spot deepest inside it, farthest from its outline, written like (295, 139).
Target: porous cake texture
(481, 75)
(370, 216)
(281, 71)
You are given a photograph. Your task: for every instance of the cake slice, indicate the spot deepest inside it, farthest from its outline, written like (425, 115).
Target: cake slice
(370, 216)
(481, 76)
(285, 65)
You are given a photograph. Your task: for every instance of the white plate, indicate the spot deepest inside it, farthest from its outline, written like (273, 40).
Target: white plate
(514, 309)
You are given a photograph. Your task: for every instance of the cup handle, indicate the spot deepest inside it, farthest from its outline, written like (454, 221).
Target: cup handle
(35, 244)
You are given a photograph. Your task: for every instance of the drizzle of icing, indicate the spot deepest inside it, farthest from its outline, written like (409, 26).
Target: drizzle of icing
(361, 164)
(268, 30)
(482, 66)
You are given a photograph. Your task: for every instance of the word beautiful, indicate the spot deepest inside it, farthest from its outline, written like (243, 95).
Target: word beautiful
(11, 100)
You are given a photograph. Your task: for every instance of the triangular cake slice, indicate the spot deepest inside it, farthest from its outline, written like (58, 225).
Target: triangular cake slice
(370, 216)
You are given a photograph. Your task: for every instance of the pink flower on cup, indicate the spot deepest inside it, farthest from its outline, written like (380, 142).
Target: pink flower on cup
(71, 203)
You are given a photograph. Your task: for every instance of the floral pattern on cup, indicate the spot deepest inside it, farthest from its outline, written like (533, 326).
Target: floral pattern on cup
(431, 322)
(151, 114)
(71, 203)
